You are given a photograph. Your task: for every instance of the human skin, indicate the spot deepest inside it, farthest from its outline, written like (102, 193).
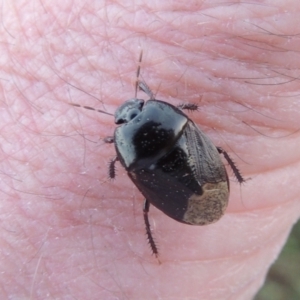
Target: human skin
(67, 231)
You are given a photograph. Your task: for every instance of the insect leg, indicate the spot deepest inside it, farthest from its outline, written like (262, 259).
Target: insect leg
(231, 163)
(148, 229)
(138, 74)
(112, 168)
(188, 106)
(145, 88)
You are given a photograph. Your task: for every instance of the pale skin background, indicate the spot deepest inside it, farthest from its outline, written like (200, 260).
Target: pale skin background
(67, 232)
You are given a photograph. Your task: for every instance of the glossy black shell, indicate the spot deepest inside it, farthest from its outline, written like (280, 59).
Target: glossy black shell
(171, 161)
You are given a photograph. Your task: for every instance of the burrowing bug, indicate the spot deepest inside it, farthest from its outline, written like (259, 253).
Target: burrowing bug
(170, 160)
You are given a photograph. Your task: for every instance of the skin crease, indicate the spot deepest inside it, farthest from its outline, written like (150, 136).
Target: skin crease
(67, 232)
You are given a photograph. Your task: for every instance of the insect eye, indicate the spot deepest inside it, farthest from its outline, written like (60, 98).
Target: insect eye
(133, 115)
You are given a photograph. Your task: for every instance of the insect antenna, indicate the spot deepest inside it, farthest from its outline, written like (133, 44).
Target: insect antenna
(91, 108)
(141, 85)
(138, 74)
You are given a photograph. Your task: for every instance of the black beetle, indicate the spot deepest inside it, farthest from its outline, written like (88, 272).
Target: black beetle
(170, 160)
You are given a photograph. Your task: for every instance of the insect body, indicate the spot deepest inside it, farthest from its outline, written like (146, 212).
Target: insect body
(174, 165)
(170, 160)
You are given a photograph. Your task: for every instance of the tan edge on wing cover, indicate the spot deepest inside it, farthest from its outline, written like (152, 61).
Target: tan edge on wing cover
(208, 207)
